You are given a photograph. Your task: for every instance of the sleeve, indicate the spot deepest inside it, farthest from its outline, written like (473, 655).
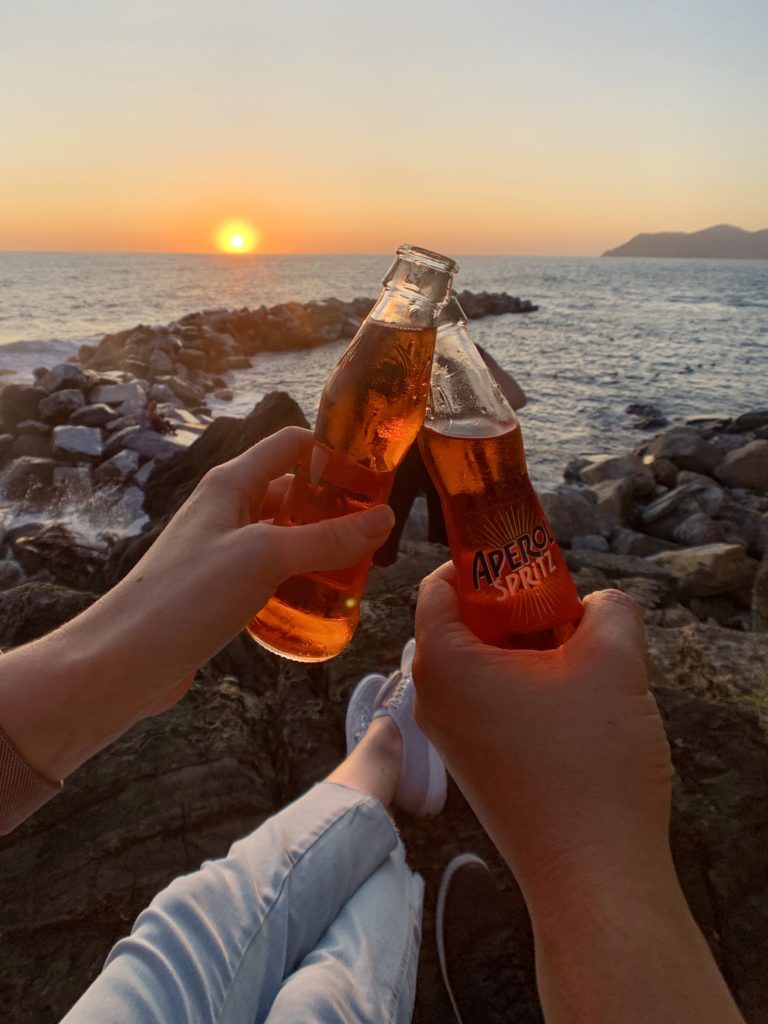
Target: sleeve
(22, 789)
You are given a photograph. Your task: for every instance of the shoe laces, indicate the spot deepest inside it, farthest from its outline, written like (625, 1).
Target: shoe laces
(398, 694)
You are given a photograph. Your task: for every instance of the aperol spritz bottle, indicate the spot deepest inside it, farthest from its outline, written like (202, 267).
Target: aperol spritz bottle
(371, 411)
(513, 584)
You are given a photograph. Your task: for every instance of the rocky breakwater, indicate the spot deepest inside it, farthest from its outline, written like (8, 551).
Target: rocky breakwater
(107, 417)
(680, 523)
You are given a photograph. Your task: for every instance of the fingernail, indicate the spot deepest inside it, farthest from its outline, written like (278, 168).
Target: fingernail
(375, 521)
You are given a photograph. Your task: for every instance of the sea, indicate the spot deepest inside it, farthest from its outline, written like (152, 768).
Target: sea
(687, 336)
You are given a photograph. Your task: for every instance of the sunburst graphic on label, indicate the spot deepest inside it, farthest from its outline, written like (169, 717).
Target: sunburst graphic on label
(533, 593)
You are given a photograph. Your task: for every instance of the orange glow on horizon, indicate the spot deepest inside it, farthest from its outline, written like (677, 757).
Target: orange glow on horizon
(237, 237)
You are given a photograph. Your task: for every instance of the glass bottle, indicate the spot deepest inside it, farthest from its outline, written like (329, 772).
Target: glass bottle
(371, 411)
(513, 584)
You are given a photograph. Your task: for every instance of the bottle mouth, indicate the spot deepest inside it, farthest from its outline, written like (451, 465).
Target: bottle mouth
(428, 258)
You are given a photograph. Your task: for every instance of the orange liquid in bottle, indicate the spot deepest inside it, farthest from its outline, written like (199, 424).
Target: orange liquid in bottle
(513, 584)
(371, 411)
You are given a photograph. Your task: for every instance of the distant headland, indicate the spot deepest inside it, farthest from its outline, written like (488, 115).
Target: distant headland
(721, 242)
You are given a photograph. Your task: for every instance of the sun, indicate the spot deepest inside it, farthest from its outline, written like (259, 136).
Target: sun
(237, 237)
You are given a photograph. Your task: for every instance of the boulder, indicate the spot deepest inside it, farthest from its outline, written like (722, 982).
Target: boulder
(74, 483)
(115, 394)
(753, 420)
(616, 498)
(189, 393)
(664, 471)
(28, 477)
(75, 443)
(119, 468)
(746, 467)
(760, 598)
(30, 444)
(631, 542)
(33, 609)
(141, 476)
(224, 394)
(19, 402)
(590, 542)
(173, 481)
(161, 393)
(234, 363)
(66, 375)
(118, 441)
(699, 529)
(62, 554)
(6, 443)
(667, 512)
(709, 569)
(687, 449)
(616, 567)
(11, 574)
(33, 428)
(160, 363)
(612, 467)
(572, 514)
(151, 445)
(59, 406)
(96, 415)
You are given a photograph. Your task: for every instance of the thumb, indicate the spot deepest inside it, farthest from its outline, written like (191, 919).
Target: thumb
(612, 625)
(330, 544)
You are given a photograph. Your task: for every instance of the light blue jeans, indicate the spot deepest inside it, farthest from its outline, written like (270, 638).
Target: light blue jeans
(314, 917)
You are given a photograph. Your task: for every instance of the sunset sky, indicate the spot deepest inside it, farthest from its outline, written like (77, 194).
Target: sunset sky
(348, 126)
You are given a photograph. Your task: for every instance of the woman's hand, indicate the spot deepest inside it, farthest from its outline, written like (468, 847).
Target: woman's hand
(134, 652)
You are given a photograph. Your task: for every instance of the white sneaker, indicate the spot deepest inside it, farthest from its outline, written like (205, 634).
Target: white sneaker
(423, 784)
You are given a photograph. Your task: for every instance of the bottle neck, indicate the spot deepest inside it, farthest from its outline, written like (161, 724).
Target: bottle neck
(415, 289)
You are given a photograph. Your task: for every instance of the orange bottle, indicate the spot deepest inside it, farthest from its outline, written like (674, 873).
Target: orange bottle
(514, 587)
(371, 410)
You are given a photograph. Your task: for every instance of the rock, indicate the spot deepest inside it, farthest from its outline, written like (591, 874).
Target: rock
(161, 393)
(121, 422)
(28, 477)
(235, 363)
(65, 375)
(33, 609)
(612, 467)
(709, 569)
(226, 437)
(74, 483)
(192, 358)
(11, 574)
(152, 445)
(573, 468)
(118, 441)
(160, 363)
(720, 610)
(189, 393)
(33, 428)
(664, 515)
(63, 554)
(630, 542)
(760, 598)
(224, 394)
(29, 444)
(687, 449)
(616, 566)
(616, 499)
(77, 442)
(664, 471)
(750, 525)
(19, 402)
(571, 514)
(699, 529)
(119, 468)
(746, 467)
(590, 542)
(115, 394)
(6, 443)
(141, 476)
(96, 415)
(59, 406)
(751, 421)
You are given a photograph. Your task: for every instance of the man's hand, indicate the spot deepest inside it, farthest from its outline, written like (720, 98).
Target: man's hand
(562, 753)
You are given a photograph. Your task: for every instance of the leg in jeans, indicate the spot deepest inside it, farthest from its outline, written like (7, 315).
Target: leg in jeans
(216, 946)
